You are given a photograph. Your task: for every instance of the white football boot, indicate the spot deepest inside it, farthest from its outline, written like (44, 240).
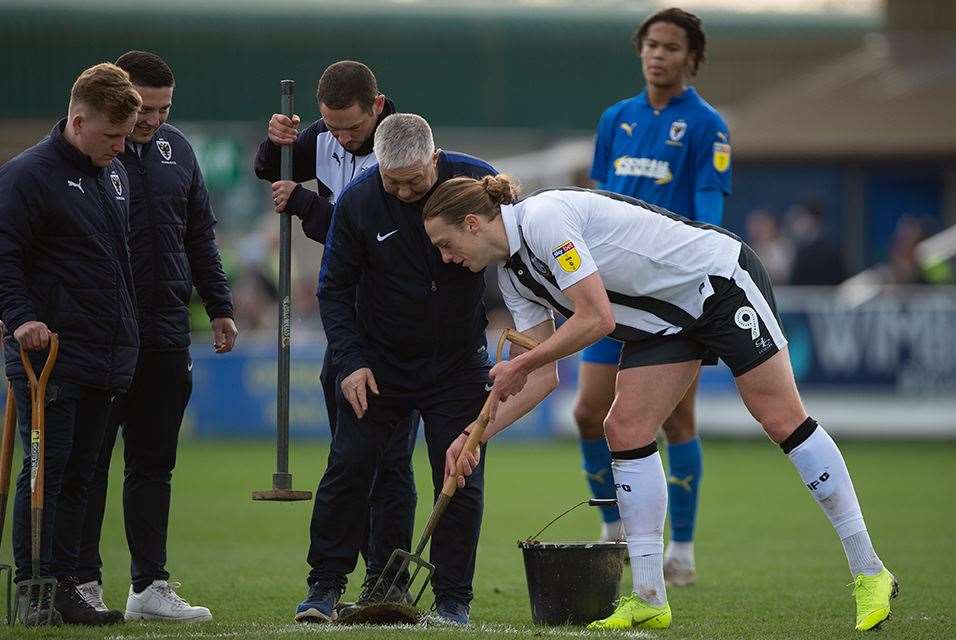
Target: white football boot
(159, 601)
(679, 566)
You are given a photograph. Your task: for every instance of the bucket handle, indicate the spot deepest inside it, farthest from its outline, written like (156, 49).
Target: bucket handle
(593, 502)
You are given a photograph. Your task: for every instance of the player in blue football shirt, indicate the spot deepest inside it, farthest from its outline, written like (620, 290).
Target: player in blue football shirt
(669, 147)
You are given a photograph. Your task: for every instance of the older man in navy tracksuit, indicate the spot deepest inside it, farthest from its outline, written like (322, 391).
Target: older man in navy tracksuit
(64, 257)
(407, 333)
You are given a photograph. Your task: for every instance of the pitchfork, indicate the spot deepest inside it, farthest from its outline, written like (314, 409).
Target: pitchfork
(401, 560)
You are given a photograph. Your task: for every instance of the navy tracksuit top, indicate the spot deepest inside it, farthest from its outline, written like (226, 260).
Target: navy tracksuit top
(387, 300)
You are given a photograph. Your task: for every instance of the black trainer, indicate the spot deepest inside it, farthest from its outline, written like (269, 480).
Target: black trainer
(38, 611)
(74, 608)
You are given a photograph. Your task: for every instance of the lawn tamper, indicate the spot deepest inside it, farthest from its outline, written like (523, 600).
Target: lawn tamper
(395, 585)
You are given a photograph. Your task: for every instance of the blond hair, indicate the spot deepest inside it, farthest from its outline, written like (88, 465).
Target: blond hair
(456, 198)
(107, 89)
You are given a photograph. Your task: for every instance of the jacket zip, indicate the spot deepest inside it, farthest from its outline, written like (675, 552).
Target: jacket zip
(120, 280)
(148, 197)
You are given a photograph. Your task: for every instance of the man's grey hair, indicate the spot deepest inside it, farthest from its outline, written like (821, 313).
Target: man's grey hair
(403, 140)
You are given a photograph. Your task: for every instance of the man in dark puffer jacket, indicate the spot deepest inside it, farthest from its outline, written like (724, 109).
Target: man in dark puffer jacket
(173, 247)
(65, 262)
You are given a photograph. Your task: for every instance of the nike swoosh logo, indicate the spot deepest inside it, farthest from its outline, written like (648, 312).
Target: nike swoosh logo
(189, 367)
(381, 237)
(488, 387)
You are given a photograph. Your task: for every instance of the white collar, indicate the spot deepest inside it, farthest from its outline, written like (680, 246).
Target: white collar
(509, 216)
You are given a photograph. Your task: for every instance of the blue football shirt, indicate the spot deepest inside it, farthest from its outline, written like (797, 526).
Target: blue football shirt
(663, 156)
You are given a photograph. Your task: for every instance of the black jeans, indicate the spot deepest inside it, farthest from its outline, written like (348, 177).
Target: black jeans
(393, 498)
(76, 418)
(150, 415)
(359, 447)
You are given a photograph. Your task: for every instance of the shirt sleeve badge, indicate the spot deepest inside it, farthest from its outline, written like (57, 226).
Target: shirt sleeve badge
(721, 156)
(567, 256)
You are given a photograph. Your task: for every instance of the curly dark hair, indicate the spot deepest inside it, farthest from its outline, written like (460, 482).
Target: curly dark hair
(692, 26)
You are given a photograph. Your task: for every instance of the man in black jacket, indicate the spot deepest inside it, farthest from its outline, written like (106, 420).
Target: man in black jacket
(173, 248)
(407, 334)
(65, 262)
(335, 150)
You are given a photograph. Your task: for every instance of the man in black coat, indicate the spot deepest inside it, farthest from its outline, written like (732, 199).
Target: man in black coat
(173, 248)
(64, 206)
(407, 334)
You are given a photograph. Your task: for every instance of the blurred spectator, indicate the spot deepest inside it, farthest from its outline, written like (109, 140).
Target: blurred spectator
(817, 260)
(903, 265)
(775, 251)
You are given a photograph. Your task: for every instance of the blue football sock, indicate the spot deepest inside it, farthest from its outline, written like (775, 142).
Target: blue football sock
(683, 481)
(597, 467)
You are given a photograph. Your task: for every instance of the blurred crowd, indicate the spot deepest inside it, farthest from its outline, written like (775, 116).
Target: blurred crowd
(798, 249)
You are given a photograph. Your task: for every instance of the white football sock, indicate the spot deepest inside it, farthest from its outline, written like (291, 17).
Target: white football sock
(682, 552)
(642, 501)
(824, 472)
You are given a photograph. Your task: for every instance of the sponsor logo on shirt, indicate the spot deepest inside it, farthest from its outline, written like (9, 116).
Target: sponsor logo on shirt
(721, 156)
(659, 170)
(567, 256)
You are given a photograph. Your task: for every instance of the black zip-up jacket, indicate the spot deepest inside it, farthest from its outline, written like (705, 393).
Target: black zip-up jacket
(172, 240)
(387, 300)
(64, 261)
(317, 155)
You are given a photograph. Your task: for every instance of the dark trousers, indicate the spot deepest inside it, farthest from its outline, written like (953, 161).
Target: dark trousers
(75, 421)
(149, 415)
(393, 498)
(341, 508)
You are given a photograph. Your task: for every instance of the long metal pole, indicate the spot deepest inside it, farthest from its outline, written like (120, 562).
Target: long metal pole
(282, 478)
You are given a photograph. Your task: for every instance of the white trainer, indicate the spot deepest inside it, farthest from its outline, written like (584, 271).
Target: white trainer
(612, 531)
(159, 601)
(92, 592)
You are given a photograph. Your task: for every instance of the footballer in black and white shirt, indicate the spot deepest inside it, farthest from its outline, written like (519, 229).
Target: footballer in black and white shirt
(674, 291)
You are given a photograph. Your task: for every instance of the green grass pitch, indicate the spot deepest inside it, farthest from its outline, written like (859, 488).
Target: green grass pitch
(769, 563)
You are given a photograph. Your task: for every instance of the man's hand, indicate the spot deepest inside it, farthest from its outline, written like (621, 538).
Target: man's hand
(224, 333)
(282, 129)
(353, 387)
(33, 335)
(281, 192)
(509, 377)
(469, 461)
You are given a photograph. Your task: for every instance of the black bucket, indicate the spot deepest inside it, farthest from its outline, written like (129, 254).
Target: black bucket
(572, 582)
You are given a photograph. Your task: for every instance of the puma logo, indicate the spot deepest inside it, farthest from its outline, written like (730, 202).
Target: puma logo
(628, 127)
(598, 477)
(78, 184)
(683, 483)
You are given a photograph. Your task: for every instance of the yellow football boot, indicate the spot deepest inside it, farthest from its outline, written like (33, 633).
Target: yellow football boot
(631, 612)
(872, 594)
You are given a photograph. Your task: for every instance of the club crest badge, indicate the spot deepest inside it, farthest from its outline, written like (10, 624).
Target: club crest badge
(678, 129)
(540, 266)
(117, 183)
(567, 256)
(165, 149)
